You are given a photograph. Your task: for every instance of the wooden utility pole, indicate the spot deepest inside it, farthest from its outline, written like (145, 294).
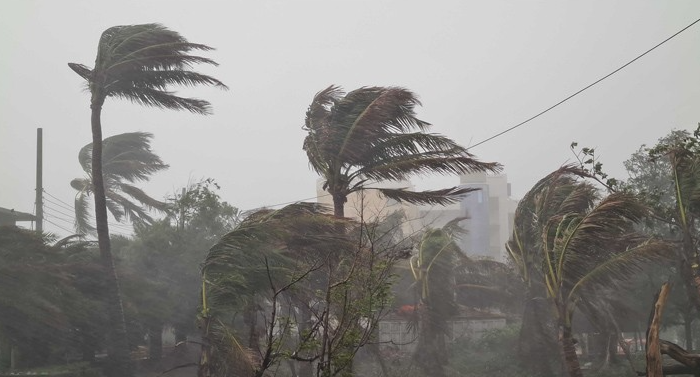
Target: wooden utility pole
(39, 202)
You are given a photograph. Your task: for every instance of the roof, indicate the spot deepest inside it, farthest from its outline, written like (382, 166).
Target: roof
(12, 215)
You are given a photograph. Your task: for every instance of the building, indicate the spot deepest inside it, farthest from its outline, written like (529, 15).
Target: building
(11, 217)
(370, 205)
(396, 331)
(489, 212)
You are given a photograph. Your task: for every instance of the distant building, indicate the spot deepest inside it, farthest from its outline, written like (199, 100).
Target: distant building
(396, 332)
(11, 217)
(489, 211)
(370, 204)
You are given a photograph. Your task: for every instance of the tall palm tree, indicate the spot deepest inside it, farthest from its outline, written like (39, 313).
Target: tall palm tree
(126, 159)
(372, 134)
(571, 243)
(138, 63)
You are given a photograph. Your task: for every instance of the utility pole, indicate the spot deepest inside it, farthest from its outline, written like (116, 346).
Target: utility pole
(39, 202)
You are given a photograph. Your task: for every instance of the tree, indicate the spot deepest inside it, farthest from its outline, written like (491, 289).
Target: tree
(433, 271)
(138, 63)
(126, 158)
(160, 265)
(372, 134)
(583, 243)
(320, 284)
(48, 299)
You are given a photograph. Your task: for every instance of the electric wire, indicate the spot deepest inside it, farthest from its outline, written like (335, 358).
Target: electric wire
(584, 89)
(67, 206)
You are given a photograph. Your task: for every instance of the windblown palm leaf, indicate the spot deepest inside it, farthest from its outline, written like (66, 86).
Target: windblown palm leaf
(127, 158)
(140, 62)
(372, 134)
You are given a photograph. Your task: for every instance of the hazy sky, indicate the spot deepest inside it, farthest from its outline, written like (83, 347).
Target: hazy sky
(479, 67)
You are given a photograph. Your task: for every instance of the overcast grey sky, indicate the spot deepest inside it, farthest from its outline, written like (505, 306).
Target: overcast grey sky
(479, 67)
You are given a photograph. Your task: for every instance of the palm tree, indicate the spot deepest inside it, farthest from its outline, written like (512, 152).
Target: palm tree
(138, 63)
(372, 134)
(433, 271)
(126, 159)
(571, 243)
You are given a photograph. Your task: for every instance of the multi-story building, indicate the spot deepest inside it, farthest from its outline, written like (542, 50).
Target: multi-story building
(488, 213)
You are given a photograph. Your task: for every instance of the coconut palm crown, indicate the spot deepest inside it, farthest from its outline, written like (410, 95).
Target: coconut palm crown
(127, 159)
(372, 134)
(140, 62)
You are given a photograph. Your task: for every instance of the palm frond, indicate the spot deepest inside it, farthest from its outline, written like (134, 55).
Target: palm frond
(435, 197)
(400, 168)
(82, 216)
(164, 99)
(622, 266)
(140, 196)
(81, 70)
(591, 237)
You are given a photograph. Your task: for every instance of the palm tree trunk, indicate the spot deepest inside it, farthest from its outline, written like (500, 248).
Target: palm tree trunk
(538, 337)
(569, 351)
(339, 205)
(119, 362)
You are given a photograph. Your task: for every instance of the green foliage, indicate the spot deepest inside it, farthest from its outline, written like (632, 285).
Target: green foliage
(372, 134)
(321, 284)
(49, 303)
(160, 267)
(126, 159)
(494, 354)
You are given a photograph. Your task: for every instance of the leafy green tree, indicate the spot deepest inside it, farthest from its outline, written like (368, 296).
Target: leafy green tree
(583, 243)
(138, 63)
(161, 279)
(371, 135)
(126, 159)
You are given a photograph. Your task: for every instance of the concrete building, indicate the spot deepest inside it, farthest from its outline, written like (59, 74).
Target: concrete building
(11, 217)
(370, 204)
(489, 213)
(396, 333)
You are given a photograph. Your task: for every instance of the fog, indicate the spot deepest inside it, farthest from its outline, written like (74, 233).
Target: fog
(478, 67)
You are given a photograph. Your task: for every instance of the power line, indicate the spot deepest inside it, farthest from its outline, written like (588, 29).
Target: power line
(58, 226)
(111, 224)
(49, 194)
(62, 206)
(587, 87)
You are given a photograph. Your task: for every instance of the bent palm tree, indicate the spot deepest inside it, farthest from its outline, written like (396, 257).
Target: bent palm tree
(583, 244)
(372, 134)
(433, 271)
(126, 158)
(138, 63)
